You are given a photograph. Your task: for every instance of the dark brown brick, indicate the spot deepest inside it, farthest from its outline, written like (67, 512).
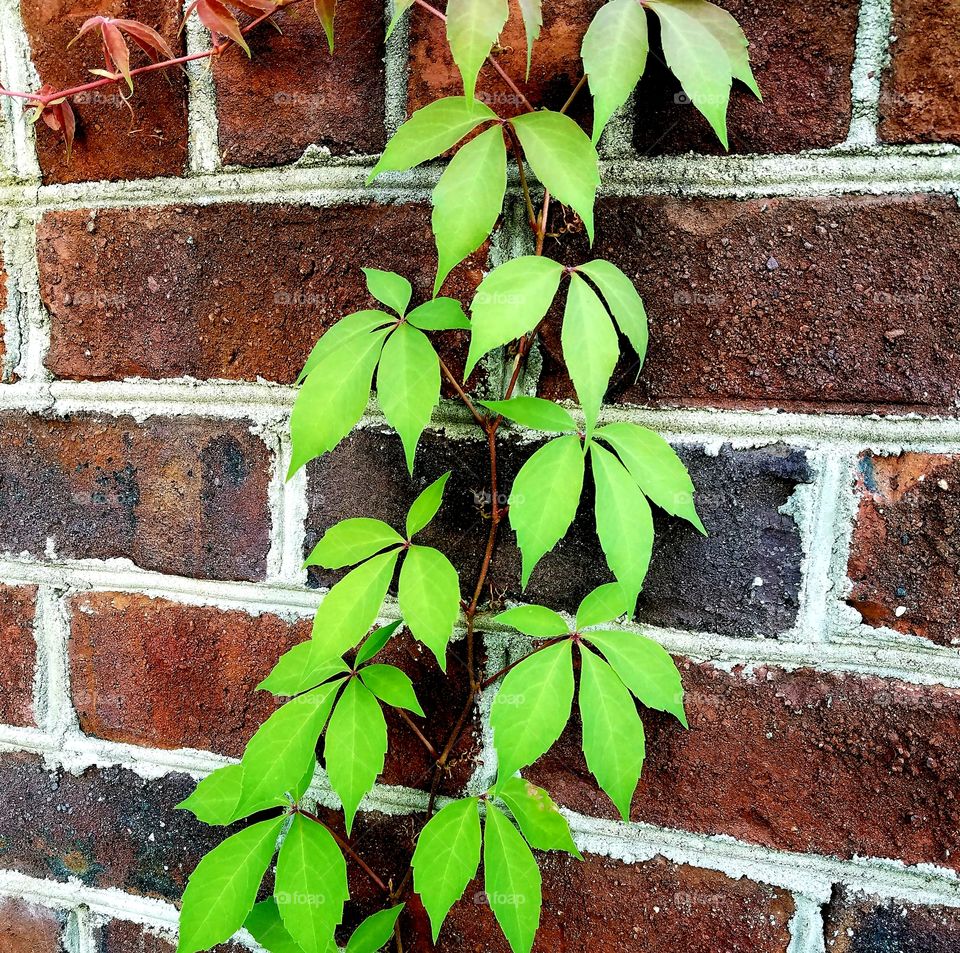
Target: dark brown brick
(828, 304)
(222, 291)
(106, 827)
(801, 761)
(918, 99)
(29, 928)
(905, 553)
(862, 924)
(17, 663)
(293, 94)
(802, 56)
(183, 496)
(122, 936)
(111, 143)
(694, 583)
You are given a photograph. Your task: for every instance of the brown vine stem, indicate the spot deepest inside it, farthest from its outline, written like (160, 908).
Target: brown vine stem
(412, 726)
(344, 845)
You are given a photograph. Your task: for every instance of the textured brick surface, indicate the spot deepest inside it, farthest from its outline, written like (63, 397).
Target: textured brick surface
(293, 94)
(111, 143)
(17, 661)
(801, 55)
(905, 553)
(6, 372)
(860, 924)
(918, 99)
(799, 761)
(122, 936)
(814, 304)
(106, 826)
(184, 496)
(696, 583)
(222, 291)
(29, 928)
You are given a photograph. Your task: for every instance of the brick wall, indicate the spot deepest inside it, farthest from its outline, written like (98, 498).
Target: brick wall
(158, 296)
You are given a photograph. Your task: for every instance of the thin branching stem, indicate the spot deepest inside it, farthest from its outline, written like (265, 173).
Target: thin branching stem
(344, 845)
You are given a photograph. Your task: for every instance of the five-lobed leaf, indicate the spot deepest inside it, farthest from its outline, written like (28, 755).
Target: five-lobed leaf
(473, 26)
(539, 819)
(374, 932)
(223, 888)
(446, 858)
(622, 299)
(537, 621)
(532, 707)
(512, 881)
(544, 499)
(468, 200)
(613, 738)
(426, 505)
(355, 747)
(429, 597)
(351, 541)
(534, 412)
(392, 687)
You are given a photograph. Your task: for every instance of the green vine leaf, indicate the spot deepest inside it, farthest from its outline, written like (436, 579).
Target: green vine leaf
(431, 131)
(338, 336)
(532, 707)
(622, 299)
(281, 751)
(613, 738)
(539, 819)
(302, 667)
(657, 469)
(266, 927)
(532, 22)
(214, 800)
(614, 56)
(511, 880)
(535, 413)
(333, 397)
(468, 199)
(311, 886)
(646, 668)
(699, 61)
(426, 505)
(375, 931)
(355, 747)
(590, 347)
(473, 26)
(439, 314)
(604, 604)
(389, 288)
(223, 888)
(375, 642)
(446, 858)
(544, 499)
(392, 687)
(563, 158)
(510, 302)
(326, 10)
(537, 621)
(624, 522)
(408, 385)
(352, 541)
(429, 597)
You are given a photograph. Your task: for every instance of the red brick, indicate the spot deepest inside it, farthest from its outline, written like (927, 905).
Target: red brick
(111, 143)
(221, 291)
(29, 928)
(826, 304)
(918, 99)
(293, 94)
(800, 761)
(17, 605)
(905, 552)
(122, 936)
(182, 496)
(861, 924)
(802, 56)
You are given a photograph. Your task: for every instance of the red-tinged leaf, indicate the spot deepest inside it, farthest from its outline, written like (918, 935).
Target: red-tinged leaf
(255, 8)
(116, 48)
(215, 16)
(326, 10)
(154, 45)
(59, 116)
(87, 26)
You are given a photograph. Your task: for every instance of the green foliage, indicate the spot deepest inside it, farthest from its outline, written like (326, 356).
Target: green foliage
(266, 927)
(375, 642)
(426, 506)
(534, 412)
(439, 314)
(532, 22)
(604, 604)
(392, 687)
(537, 621)
(375, 931)
(429, 596)
(352, 541)
(540, 822)
(622, 299)
(389, 288)
(473, 26)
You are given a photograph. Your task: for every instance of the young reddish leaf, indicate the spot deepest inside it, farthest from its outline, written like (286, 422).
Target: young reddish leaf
(58, 115)
(326, 10)
(116, 49)
(215, 16)
(154, 45)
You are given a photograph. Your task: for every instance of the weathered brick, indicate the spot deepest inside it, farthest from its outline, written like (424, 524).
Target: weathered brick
(918, 98)
(29, 928)
(111, 143)
(123, 936)
(17, 605)
(6, 372)
(183, 496)
(828, 304)
(106, 827)
(801, 55)
(221, 291)
(802, 761)
(905, 552)
(860, 924)
(293, 94)
(694, 583)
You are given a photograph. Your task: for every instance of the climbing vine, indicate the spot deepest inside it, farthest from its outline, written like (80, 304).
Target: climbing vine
(333, 686)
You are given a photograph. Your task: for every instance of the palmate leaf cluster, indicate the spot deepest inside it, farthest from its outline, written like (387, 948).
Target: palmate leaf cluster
(333, 688)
